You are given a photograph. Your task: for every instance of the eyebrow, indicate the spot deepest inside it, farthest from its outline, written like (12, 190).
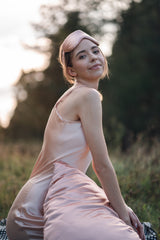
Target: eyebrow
(82, 51)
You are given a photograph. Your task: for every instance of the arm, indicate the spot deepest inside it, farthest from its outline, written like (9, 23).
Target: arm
(91, 118)
(90, 113)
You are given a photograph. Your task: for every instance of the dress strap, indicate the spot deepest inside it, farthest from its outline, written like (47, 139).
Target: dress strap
(63, 97)
(68, 92)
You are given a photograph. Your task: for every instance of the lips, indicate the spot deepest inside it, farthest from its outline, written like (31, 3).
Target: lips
(95, 66)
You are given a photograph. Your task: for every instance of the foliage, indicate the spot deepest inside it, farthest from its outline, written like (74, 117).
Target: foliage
(137, 171)
(133, 94)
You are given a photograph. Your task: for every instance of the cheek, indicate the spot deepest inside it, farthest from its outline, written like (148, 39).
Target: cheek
(102, 60)
(80, 66)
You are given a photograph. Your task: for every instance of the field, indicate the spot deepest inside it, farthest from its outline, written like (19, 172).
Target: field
(138, 173)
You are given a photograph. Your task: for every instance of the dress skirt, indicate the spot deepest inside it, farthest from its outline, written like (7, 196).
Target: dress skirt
(76, 208)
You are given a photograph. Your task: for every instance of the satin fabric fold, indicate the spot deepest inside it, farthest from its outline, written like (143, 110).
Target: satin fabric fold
(25, 219)
(76, 208)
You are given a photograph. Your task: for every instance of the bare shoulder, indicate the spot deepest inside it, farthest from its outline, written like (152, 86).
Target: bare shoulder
(88, 96)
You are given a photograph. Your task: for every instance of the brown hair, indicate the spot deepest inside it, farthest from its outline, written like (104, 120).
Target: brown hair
(67, 63)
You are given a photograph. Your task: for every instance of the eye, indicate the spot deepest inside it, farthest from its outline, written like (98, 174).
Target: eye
(96, 51)
(82, 56)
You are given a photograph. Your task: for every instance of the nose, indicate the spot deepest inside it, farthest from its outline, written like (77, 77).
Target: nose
(93, 57)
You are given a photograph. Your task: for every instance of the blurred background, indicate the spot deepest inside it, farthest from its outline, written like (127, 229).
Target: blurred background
(32, 81)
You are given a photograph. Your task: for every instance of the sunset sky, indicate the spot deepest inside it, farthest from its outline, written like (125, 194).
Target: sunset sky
(15, 29)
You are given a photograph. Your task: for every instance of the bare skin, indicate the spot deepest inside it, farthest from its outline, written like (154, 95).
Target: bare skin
(84, 104)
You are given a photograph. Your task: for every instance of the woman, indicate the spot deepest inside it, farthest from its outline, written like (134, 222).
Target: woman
(59, 201)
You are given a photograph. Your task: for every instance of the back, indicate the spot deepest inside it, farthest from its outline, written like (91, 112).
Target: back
(64, 140)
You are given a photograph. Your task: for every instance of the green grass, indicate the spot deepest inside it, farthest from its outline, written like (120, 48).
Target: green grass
(16, 162)
(138, 173)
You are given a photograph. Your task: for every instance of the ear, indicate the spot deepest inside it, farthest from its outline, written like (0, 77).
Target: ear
(71, 72)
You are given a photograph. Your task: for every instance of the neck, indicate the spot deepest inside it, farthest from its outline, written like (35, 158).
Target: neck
(87, 83)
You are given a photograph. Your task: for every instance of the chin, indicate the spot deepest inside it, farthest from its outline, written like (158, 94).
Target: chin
(97, 75)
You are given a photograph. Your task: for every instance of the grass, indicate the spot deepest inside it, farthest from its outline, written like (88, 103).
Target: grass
(139, 177)
(138, 172)
(16, 162)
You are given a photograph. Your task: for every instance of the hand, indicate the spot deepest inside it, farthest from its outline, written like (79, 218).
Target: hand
(136, 224)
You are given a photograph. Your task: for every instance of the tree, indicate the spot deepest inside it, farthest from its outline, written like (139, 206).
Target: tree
(133, 93)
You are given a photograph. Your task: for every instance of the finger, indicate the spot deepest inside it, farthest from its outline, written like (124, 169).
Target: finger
(133, 219)
(137, 225)
(140, 231)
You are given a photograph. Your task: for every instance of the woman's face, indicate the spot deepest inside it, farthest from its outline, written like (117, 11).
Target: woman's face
(87, 61)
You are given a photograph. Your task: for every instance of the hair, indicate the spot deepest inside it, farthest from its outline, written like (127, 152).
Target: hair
(67, 48)
(67, 63)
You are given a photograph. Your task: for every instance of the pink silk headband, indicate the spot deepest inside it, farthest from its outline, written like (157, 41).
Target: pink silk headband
(72, 41)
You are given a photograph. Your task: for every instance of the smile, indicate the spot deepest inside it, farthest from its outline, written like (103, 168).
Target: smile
(95, 67)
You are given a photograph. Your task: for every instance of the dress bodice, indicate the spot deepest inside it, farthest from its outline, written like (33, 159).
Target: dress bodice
(64, 140)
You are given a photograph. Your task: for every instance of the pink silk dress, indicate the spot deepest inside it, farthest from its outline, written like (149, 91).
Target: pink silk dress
(59, 201)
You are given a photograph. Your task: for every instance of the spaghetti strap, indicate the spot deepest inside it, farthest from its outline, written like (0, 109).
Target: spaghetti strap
(68, 92)
(65, 120)
(61, 99)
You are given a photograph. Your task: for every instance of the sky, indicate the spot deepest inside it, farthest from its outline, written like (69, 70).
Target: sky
(16, 17)
(15, 29)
